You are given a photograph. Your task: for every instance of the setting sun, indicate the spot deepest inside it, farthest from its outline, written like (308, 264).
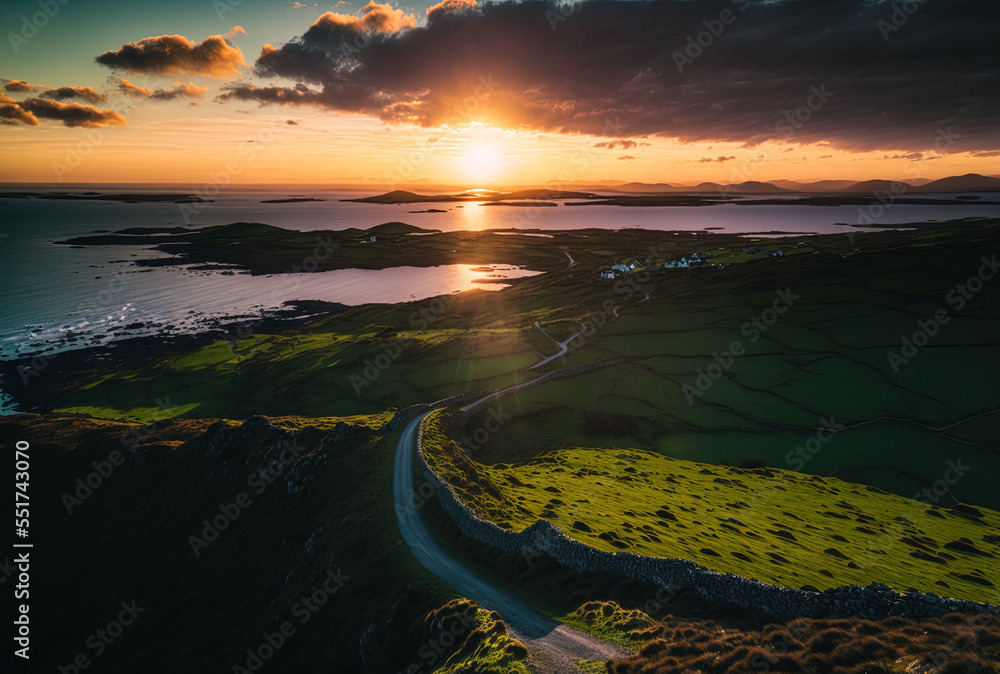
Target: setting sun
(482, 161)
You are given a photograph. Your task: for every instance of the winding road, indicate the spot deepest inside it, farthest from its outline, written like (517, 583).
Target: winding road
(560, 647)
(563, 345)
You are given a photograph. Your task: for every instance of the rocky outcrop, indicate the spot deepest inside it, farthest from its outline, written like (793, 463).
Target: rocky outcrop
(873, 601)
(223, 438)
(293, 457)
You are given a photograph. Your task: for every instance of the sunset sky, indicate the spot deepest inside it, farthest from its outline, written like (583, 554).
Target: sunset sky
(501, 94)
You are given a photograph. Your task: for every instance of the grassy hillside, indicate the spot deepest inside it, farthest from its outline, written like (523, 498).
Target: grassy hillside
(674, 631)
(774, 525)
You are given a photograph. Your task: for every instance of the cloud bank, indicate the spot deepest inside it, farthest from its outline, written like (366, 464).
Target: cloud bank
(180, 90)
(65, 93)
(713, 70)
(30, 110)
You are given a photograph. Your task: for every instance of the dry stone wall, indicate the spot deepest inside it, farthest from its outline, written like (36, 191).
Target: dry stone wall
(873, 601)
(460, 417)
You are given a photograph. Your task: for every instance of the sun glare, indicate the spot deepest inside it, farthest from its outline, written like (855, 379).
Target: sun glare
(482, 162)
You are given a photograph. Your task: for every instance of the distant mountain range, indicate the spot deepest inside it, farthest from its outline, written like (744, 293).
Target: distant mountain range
(972, 182)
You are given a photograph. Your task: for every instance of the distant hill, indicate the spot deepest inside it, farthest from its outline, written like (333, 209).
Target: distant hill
(403, 197)
(971, 182)
(869, 186)
(645, 187)
(749, 187)
(818, 186)
(541, 193)
(703, 187)
(755, 187)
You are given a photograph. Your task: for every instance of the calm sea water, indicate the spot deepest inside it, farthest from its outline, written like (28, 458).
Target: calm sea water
(56, 297)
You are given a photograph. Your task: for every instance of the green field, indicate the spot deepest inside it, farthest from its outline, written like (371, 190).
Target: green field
(777, 526)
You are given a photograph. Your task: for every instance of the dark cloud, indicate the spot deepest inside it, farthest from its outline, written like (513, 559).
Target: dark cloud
(986, 153)
(87, 94)
(64, 93)
(133, 90)
(180, 90)
(785, 70)
(625, 157)
(612, 144)
(71, 114)
(718, 160)
(12, 113)
(175, 54)
(291, 122)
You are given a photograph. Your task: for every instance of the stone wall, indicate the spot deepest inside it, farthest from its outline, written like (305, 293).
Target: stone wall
(460, 417)
(401, 416)
(873, 601)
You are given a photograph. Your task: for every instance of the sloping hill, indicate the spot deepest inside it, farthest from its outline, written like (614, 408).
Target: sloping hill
(870, 186)
(403, 197)
(755, 187)
(773, 525)
(971, 182)
(818, 186)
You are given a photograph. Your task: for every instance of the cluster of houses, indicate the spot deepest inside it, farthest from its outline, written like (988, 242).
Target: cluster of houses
(625, 266)
(687, 261)
(632, 265)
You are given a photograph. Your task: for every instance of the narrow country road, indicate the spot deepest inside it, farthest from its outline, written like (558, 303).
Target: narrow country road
(563, 345)
(560, 646)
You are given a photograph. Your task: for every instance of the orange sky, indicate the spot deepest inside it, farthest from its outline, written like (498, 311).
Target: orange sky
(181, 143)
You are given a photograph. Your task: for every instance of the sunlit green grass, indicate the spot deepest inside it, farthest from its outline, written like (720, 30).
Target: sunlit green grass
(774, 525)
(135, 415)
